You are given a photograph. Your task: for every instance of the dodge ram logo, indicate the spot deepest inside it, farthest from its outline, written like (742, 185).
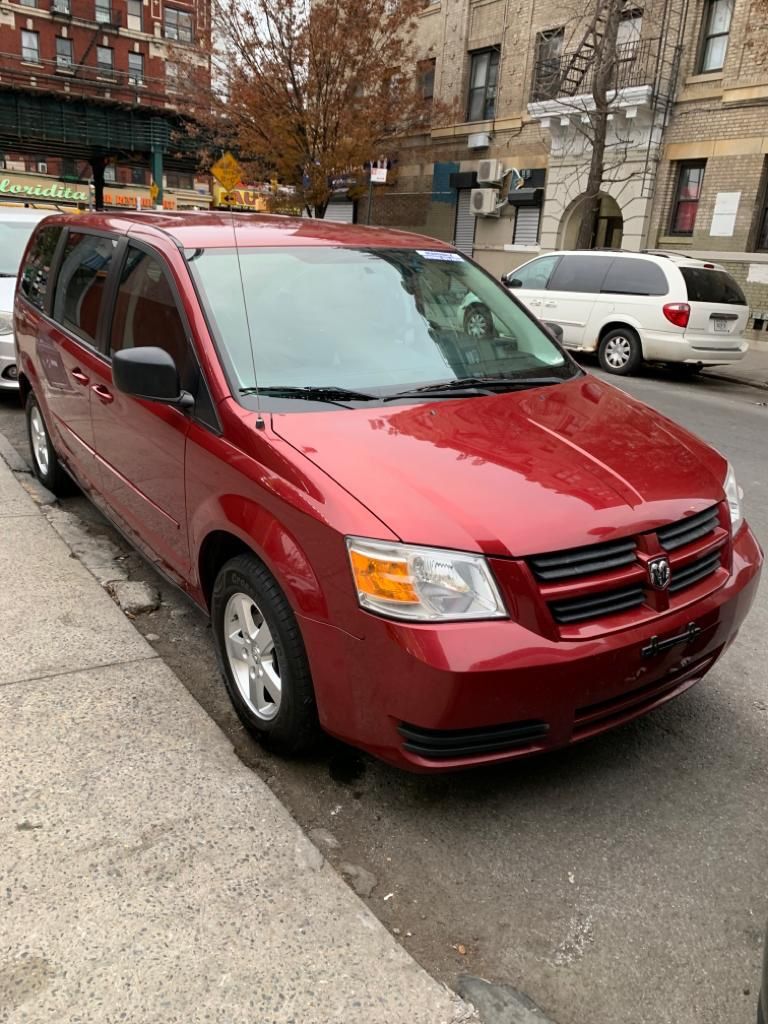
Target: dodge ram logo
(659, 573)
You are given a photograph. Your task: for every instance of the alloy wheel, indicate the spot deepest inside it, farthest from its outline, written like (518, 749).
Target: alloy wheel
(39, 440)
(252, 657)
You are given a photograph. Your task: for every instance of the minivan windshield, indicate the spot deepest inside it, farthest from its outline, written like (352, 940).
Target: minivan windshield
(14, 235)
(374, 321)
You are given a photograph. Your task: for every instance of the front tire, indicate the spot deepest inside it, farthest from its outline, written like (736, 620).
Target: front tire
(620, 351)
(45, 462)
(262, 657)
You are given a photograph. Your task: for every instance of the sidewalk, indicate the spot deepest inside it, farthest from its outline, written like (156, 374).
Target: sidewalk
(752, 369)
(147, 876)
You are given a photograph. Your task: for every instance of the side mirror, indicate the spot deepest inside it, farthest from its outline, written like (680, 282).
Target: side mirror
(150, 373)
(554, 329)
(513, 282)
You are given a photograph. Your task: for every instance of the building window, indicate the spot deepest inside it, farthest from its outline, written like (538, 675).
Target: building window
(179, 179)
(171, 76)
(30, 46)
(546, 73)
(135, 22)
(63, 54)
(105, 61)
(483, 76)
(714, 42)
(690, 177)
(138, 176)
(110, 173)
(628, 36)
(28, 3)
(60, 7)
(526, 225)
(104, 12)
(177, 25)
(427, 79)
(136, 68)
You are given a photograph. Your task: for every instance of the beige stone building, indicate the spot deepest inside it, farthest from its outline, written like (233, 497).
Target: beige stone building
(687, 134)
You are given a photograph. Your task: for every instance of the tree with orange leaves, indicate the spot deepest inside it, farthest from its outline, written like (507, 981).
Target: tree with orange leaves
(312, 90)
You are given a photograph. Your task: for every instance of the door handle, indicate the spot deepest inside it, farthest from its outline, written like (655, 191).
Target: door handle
(551, 302)
(535, 302)
(79, 376)
(103, 394)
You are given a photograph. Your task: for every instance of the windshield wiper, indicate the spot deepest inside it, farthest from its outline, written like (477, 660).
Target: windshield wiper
(320, 393)
(476, 386)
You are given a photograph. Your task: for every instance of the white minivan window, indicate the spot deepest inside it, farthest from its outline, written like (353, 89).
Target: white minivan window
(533, 275)
(580, 274)
(627, 276)
(712, 286)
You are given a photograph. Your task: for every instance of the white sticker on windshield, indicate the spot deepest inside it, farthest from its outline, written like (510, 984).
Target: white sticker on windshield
(435, 254)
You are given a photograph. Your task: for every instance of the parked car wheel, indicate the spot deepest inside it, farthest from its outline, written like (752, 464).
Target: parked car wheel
(45, 462)
(262, 656)
(620, 351)
(478, 322)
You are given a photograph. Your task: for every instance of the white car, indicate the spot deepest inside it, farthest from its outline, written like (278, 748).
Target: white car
(630, 306)
(16, 226)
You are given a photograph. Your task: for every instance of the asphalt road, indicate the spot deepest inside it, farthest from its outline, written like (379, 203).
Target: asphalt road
(624, 880)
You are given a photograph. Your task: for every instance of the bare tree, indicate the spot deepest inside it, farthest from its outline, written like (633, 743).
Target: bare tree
(312, 90)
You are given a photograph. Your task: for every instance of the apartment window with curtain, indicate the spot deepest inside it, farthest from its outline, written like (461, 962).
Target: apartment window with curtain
(177, 25)
(135, 68)
(483, 81)
(105, 61)
(715, 30)
(134, 21)
(63, 54)
(546, 70)
(690, 177)
(628, 36)
(30, 46)
(61, 7)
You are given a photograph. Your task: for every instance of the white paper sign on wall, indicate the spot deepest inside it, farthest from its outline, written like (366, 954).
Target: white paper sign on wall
(724, 216)
(758, 273)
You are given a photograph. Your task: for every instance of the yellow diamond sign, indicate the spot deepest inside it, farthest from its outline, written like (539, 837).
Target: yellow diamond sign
(227, 172)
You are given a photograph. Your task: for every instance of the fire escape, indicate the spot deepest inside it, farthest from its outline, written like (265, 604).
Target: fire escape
(645, 65)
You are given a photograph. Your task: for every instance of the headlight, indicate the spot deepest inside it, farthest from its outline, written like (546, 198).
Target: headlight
(6, 323)
(733, 495)
(423, 584)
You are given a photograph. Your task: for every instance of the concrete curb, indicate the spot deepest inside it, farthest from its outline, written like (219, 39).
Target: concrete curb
(758, 385)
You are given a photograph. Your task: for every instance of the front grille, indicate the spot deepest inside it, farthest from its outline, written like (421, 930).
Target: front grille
(563, 565)
(445, 744)
(695, 571)
(688, 530)
(596, 606)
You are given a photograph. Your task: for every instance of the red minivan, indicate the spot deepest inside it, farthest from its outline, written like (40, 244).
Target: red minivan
(447, 549)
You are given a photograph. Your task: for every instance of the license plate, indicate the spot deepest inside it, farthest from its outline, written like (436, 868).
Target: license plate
(721, 326)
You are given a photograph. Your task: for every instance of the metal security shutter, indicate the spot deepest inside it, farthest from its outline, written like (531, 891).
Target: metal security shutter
(464, 236)
(527, 225)
(341, 213)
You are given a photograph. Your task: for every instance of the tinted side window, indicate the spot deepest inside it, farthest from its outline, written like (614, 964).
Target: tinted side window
(635, 277)
(80, 285)
(712, 286)
(535, 274)
(580, 273)
(146, 312)
(37, 269)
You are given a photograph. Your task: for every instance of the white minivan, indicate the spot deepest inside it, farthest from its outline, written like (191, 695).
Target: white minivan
(16, 227)
(630, 306)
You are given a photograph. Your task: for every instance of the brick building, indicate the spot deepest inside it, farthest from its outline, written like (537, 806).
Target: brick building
(93, 95)
(687, 139)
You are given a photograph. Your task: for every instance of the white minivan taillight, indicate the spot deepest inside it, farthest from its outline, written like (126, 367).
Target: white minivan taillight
(678, 313)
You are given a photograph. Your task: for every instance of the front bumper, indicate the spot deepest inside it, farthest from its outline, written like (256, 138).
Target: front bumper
(8, 376)
(441, 697)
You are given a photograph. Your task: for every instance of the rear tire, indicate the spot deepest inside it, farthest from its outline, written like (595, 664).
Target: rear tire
(45, 462)
(262, 657)
(620, 351)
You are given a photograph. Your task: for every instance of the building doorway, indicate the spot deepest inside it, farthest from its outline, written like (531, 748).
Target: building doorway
(609, 230)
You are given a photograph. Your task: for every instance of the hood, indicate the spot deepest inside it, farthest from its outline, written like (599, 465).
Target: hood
(517, 473)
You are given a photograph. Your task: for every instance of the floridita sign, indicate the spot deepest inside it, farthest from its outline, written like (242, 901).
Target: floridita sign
(44, 190)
